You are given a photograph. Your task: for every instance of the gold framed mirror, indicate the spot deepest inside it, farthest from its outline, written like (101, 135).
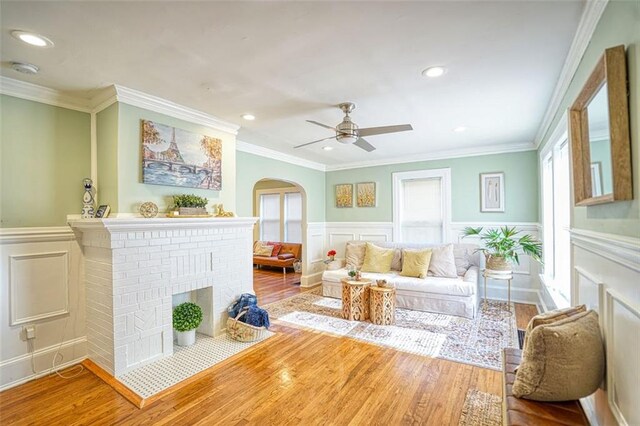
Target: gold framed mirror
(600, 135)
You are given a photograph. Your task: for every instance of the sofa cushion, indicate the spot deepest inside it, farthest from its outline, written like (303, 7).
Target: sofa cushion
(415, 263)
(262, 250)
(551, 317)
(463, 257)
(443, 263)
(377, 259)
(286, 256)
(276, 248)
(354, 254)
(563, 360)
(396, 263)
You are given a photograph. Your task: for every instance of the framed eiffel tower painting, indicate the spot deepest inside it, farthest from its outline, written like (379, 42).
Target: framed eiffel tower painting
(177, 157)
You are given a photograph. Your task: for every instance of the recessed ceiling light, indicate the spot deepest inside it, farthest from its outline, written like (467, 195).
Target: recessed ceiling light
(32, 38)
(327, 148)
(249, 117)
(25, 67)
(459, 129)
(433, 72)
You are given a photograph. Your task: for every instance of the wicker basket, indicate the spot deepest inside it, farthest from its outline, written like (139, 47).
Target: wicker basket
(244, 332)
(498, 263)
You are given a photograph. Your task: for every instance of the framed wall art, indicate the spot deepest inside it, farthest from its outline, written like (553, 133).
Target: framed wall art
(366, 194)
(177, 157)
(344, 195)
(492, 192)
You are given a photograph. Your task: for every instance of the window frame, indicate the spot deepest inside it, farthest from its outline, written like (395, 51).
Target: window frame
(398, 177)
(281, 192)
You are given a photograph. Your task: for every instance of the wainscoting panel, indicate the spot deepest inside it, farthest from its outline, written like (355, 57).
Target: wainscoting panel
(40, 286)
(606, 273)
(338, 233)
(314, 255)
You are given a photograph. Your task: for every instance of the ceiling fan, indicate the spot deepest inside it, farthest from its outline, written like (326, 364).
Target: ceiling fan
(348, 132)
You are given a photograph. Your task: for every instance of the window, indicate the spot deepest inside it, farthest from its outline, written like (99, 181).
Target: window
(293, 217)
(270, 217)
(422, 206)
(556, 213)
(280, 215)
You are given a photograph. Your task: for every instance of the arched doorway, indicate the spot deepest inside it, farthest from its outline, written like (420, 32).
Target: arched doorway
(280, 206)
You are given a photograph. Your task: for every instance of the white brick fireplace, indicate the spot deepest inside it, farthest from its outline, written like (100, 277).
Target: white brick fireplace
(133, 267)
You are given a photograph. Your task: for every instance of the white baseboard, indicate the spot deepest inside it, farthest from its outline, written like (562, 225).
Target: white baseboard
(311, 280)
(17, 370)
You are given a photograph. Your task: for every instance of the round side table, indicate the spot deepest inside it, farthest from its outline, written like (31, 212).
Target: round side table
(498, 275)
(355, 299)
(382, 305)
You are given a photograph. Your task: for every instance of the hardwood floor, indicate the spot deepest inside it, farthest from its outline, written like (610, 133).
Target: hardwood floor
(295, 377)
(271, 285)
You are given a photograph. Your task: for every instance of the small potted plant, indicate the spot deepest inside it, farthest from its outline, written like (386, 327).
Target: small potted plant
(501, 246)
(331, 254)
(187, 317)
(190, 205)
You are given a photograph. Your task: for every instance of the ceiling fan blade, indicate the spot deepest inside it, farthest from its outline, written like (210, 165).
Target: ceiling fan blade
(309, 143)
(370, 131)
(321, 125)
(361, 143)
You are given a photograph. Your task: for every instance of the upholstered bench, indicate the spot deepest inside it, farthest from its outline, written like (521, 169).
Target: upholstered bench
(521, 412)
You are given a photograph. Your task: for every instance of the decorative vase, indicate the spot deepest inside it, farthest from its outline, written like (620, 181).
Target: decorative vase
(332, 258)
(186, 338)
(88, 209)
(498, 263)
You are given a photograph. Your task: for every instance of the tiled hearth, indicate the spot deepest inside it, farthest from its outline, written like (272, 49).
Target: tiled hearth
(133, 267)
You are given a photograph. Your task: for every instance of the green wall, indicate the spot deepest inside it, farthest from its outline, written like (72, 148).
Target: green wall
(46, 152)
(521, 188)
(107, 144)
(130, 192)
(619, 24)
(252, 168)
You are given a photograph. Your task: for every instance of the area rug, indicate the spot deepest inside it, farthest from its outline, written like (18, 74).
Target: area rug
(481, 409)
(185, 362)
(476, 341)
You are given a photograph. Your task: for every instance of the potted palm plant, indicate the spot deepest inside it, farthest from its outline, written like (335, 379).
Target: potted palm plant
(187, 317)
(501, 246)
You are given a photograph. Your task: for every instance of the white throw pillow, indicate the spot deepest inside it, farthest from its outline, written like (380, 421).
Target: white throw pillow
(443, 263)
(354, 254)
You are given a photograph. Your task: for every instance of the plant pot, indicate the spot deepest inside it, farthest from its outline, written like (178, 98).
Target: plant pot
(498, 263)
(186, 338)
(192, 211)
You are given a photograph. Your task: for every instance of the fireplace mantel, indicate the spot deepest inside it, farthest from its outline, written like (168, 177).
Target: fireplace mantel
(132, 224)
(133, 268)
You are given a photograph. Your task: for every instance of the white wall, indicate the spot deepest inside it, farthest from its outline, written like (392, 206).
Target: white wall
(606, 277)
(40, 279)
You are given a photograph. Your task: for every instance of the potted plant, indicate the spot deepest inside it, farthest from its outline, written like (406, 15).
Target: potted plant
(187, 317)
(190, 205)
(502, 246)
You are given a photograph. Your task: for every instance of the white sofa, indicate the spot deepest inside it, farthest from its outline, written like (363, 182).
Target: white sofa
(453, 296)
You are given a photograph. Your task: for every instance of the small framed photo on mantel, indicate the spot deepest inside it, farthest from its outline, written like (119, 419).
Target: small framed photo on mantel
(103, 211)
(492, 192)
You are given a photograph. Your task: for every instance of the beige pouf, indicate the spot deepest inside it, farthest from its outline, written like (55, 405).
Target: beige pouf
(562, 361)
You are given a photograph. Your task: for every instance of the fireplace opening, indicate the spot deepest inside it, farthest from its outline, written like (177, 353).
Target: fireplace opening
(202, 297)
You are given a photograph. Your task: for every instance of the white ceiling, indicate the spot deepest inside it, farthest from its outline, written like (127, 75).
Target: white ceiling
(287, 62)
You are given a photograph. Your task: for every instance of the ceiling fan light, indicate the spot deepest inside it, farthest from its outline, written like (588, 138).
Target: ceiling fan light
(347, 139)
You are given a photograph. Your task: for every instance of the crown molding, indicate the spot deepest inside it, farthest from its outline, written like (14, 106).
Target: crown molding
(45, 95)
(277, 155)
(588, 21)
(163, 106)
(437, 155)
